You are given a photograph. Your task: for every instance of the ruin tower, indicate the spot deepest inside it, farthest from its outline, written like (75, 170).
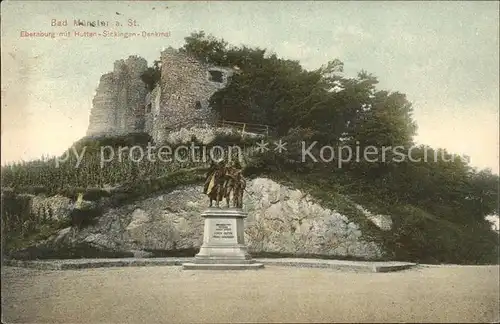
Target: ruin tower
(186, 86)
(123, 104)
(119, 97)
(102, 115)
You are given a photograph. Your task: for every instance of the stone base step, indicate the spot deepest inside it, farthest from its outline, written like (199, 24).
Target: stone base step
(220, 266)
(358, 266)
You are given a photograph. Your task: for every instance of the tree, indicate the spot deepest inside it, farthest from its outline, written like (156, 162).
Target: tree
(151, 77)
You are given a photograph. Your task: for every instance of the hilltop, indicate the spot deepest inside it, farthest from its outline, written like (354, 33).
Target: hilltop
(436, 207)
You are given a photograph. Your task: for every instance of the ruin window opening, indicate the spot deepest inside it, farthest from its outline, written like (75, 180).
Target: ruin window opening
(148, 108)
(216, 76)
(140, 109)
(197, 105)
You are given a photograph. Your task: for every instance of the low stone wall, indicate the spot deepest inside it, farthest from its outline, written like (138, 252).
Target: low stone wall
(204, 134)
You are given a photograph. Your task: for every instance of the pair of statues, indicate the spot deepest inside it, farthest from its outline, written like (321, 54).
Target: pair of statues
(222, 181)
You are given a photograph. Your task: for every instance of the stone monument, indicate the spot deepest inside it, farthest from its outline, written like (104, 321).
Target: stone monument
(224, 232)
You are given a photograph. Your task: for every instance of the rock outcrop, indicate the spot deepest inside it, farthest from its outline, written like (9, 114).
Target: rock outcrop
(54, 208)
(384, 222)
(281, 220)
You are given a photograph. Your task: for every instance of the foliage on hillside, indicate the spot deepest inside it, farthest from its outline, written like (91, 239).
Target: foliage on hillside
(438, 201)
(280, 93)
(324, 106)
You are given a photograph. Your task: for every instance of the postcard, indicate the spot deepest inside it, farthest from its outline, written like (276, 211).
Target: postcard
(250, 161)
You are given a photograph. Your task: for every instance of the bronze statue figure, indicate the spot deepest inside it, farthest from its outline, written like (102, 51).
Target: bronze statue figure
(235, 184)
(214, 182)
(222, 181)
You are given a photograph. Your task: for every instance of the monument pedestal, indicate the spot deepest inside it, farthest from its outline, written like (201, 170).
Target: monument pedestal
(223, 242)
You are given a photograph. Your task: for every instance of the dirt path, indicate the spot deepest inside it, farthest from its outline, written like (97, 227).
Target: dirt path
(275, 294)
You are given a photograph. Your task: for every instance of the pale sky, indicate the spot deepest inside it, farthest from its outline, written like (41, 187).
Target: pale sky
(443, 55)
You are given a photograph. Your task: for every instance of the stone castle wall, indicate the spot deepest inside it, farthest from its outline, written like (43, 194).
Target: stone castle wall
(119, 97)
(152, 110)
(123, 104)
(102, 115)
(186, 87)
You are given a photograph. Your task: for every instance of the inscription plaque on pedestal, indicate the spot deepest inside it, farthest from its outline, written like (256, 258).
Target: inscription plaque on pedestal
(223, 242)
(223, 230)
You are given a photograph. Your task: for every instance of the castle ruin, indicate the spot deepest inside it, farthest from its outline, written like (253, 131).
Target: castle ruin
(123, 104)
(117, 97)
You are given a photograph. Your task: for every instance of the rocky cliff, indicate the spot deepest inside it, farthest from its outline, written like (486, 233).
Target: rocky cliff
(281, 220)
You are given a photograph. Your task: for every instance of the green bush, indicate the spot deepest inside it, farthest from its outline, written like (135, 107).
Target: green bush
(421, 237)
